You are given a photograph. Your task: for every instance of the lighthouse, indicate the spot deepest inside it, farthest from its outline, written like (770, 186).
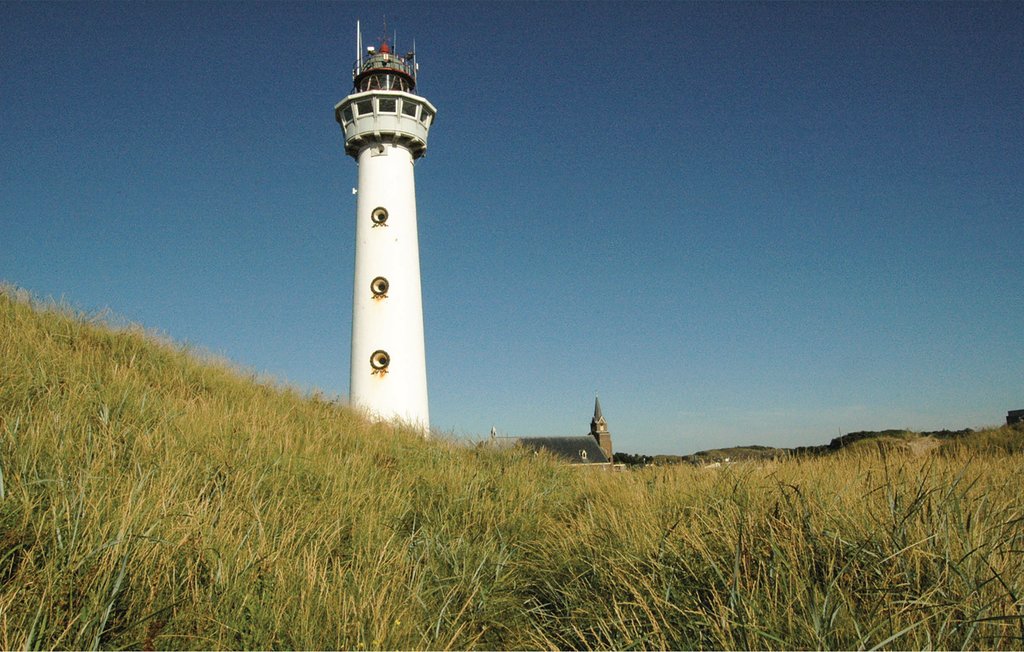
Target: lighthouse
(385, 125)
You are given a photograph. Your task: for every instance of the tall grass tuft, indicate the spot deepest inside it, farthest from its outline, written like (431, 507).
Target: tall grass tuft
(152, 500)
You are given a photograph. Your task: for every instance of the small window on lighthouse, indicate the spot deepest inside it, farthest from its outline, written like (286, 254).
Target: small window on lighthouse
(380, 360)
(409, 108)
(387, 105)
(425, 117)
(379, 216)
(364, 107)
(379, 286)
(346, 113)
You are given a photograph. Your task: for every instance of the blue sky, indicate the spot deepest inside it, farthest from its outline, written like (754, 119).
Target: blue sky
(739, 223)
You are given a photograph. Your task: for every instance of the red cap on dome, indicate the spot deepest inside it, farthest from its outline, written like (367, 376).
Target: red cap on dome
(384, 49)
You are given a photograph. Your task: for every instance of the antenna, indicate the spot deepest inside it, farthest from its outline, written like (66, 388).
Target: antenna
(359, 45)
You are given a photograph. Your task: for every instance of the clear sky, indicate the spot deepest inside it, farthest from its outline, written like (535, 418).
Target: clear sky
(738, 223)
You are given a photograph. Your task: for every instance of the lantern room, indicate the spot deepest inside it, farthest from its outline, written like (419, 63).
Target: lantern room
(382, 70)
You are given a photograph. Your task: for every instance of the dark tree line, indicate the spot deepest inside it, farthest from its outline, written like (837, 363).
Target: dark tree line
(836, 444)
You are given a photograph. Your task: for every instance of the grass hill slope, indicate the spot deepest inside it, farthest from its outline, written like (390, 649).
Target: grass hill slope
(152, 500)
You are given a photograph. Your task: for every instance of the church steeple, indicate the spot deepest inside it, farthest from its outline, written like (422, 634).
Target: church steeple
(598, 420)
(599, 429)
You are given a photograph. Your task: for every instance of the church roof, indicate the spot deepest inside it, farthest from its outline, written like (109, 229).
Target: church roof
(574, 450)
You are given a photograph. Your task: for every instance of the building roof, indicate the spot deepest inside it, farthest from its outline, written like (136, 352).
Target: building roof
(574, 450)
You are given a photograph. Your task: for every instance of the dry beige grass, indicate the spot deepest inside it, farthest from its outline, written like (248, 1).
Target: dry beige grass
(149, 500)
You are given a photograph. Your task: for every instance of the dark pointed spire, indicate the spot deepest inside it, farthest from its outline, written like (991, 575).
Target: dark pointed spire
(598, 424)
(599, 429)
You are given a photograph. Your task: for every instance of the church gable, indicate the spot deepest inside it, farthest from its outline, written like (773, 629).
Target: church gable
(572, 450)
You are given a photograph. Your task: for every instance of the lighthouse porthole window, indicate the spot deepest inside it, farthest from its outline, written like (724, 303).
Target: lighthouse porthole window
(379, 216)
(379, 286)
(380, 360)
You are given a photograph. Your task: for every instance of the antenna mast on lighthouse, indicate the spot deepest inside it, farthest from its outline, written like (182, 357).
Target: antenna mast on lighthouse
(359, 44)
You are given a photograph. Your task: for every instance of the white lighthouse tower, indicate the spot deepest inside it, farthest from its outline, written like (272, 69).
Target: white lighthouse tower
(385, 126)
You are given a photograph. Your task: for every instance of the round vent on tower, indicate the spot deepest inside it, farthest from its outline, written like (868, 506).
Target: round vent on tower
(379, 286)
(379, 216)
(379, 360)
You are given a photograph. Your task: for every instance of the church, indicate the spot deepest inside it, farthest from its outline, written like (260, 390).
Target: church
(592, 449)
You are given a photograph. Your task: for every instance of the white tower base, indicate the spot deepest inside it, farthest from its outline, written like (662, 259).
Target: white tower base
(391, 321)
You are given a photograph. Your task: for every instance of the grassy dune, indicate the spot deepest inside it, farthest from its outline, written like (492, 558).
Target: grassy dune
(153, 500)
